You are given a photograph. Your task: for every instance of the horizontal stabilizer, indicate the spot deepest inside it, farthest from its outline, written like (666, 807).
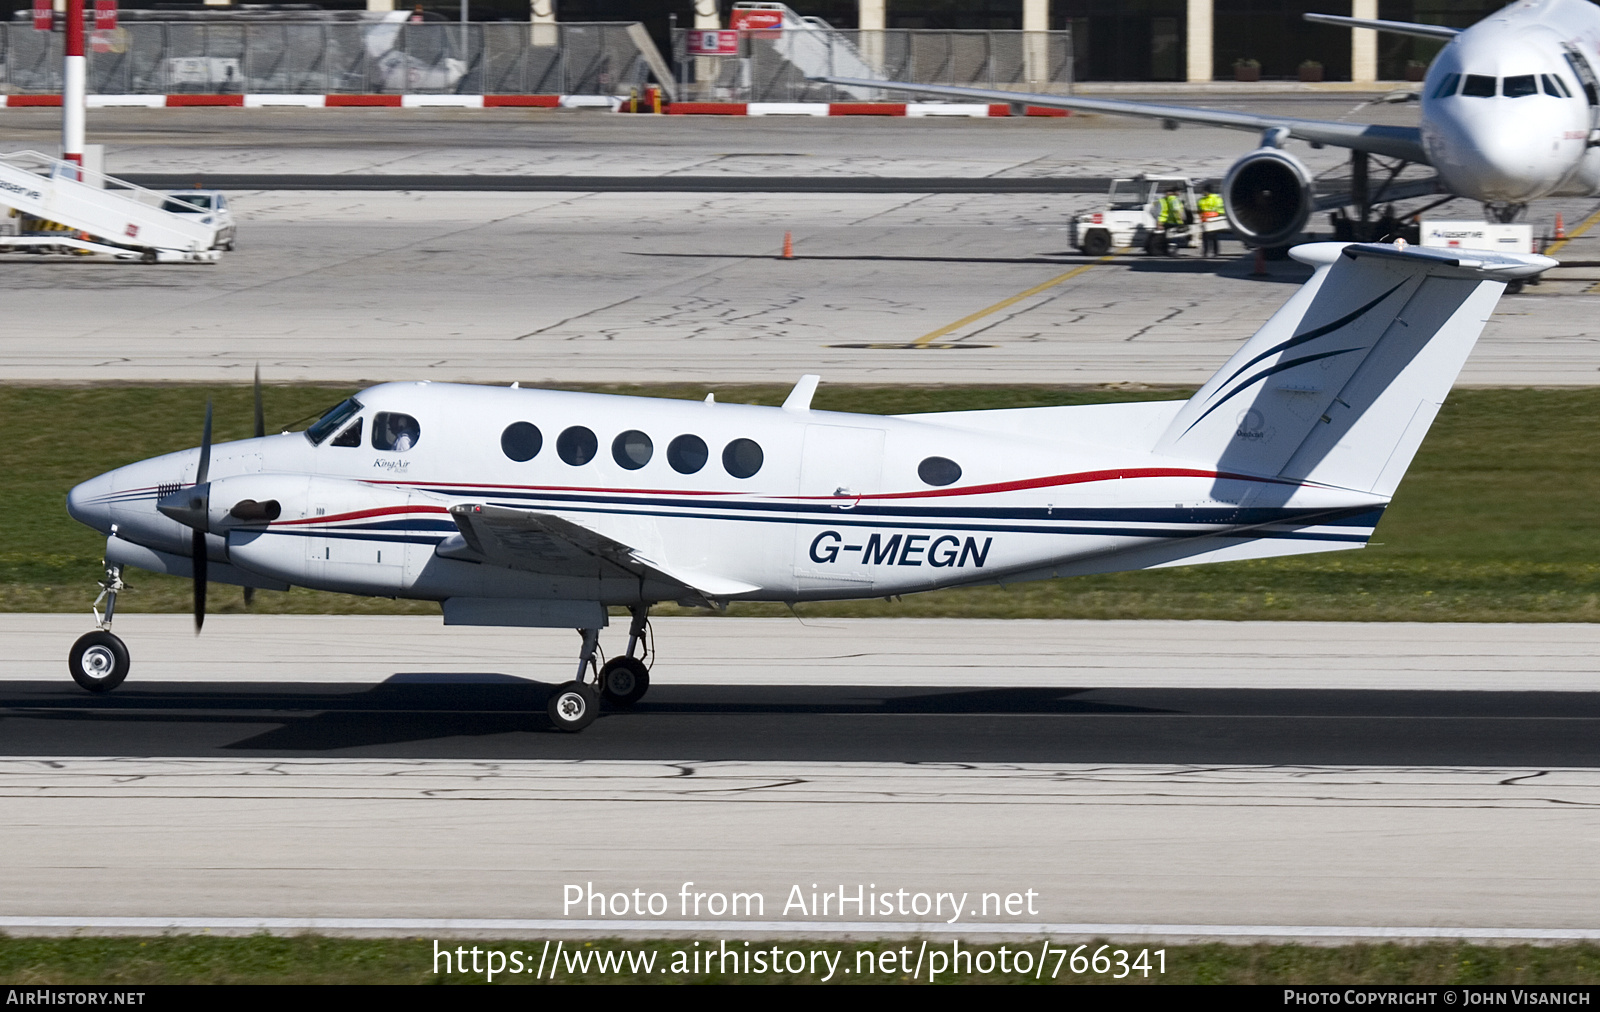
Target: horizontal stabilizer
(1340, 385)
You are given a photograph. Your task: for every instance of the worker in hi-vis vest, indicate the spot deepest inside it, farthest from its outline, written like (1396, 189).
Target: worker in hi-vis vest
(1212, 221)
(1170, 219)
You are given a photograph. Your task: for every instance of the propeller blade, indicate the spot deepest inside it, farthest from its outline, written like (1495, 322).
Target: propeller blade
(198, 546)
(261, 430)
(204, 471)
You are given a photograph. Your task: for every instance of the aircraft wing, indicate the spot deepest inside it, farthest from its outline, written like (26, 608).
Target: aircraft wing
(545, 543)
(1390, 141)
(1397, 27)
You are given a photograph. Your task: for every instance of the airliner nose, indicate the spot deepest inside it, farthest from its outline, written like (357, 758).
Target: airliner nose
(89, 503)
(1489, 155)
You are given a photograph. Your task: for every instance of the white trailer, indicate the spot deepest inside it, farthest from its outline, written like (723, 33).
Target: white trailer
(54, 204)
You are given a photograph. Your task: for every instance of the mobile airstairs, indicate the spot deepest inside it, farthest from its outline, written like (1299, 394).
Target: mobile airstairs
(813, 47)
(59, 206)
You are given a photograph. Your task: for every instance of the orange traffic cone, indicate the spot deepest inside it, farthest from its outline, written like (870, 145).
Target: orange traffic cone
(1561, 227)
(788, 245)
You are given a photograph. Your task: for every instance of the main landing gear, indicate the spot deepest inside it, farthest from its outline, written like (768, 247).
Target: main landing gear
(622, 681)
(99, 661)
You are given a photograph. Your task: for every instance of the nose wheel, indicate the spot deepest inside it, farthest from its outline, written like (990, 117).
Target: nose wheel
(98, 661)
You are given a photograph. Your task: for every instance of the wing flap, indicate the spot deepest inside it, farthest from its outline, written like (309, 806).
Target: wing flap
(545, 543)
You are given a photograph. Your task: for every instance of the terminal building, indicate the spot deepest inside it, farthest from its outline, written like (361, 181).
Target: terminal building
(1134, 40)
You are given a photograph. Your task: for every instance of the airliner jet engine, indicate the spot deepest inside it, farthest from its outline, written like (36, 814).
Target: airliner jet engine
(1268, 197)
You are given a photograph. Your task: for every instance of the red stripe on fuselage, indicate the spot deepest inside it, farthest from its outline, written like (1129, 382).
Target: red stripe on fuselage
(1004, 486)
(361, 514)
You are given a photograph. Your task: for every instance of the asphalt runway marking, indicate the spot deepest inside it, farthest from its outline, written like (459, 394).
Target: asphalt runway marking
(927, 340)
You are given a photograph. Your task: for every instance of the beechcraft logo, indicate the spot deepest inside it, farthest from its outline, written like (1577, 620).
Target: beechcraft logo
(939, 551)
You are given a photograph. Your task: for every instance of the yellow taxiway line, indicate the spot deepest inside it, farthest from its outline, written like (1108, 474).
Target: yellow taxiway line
(1588, 223)
(934, 335)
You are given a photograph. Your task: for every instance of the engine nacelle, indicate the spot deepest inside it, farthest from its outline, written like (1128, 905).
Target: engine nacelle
(1268, 197)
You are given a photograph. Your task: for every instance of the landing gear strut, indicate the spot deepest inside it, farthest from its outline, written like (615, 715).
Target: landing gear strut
(622, 681)
(99, 660)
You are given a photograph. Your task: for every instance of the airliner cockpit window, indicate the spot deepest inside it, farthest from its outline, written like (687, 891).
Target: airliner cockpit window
(1520, 86)
(1479, 86)
(1554, 87)
(1447, 87)
(394, 431)
(329, 423)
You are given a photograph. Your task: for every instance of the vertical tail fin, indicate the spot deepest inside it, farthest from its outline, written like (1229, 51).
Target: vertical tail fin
(1341, 384)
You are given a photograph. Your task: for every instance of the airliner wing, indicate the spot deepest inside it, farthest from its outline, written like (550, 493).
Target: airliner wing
(1397, 27)
(1391, 141)
(545, 543)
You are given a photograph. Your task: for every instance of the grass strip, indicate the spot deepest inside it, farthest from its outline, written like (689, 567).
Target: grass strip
(315, 959)
(1498, 519)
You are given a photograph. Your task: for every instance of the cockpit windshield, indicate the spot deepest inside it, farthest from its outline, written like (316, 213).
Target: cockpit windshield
(328, 423)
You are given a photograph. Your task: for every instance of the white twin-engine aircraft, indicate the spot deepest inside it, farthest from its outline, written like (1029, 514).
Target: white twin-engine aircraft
(1510, 113)
(544, 508)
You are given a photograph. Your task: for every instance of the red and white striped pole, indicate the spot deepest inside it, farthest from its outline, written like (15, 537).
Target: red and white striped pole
(74, 82)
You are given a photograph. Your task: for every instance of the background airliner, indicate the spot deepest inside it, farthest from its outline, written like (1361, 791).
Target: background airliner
(546, 508)
(1510, 109)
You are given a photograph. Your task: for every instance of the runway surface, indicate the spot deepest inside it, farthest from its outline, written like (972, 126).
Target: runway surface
(638, 286)
(1251, 779)
(920, 690)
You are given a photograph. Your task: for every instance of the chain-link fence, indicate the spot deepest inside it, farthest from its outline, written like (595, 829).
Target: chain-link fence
(353, 57)
(773, 66)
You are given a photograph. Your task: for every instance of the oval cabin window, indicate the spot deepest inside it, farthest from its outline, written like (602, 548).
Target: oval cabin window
(521, 441)
(742, 458)
(576, 445)
(687, 454)
(632, 449)
(939, 471)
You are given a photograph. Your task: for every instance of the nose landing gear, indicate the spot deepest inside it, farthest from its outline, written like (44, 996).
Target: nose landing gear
(99, 660)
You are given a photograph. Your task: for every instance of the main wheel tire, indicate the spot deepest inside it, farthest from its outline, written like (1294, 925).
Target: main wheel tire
(573, 706)
(98, 661)
(624, 681)
(1096, 243)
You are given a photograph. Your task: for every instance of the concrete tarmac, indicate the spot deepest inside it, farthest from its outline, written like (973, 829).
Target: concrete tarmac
(627, 287)
(1197, 778)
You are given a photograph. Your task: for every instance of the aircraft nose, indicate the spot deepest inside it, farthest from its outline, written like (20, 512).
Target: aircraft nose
(1503, 157)
(89, 503)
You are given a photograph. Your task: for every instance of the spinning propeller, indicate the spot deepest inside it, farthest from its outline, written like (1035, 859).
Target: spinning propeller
(192, 508)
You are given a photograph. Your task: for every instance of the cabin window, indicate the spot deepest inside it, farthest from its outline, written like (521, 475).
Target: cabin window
(1479, 86)
(742, 457)
(1447, 87)
(521, 441)
(577, 445)
(632, 449)
(939, 471)
(393, 431)
(350, 436)
(329, 423)
(687, 454)
(1520, 86)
